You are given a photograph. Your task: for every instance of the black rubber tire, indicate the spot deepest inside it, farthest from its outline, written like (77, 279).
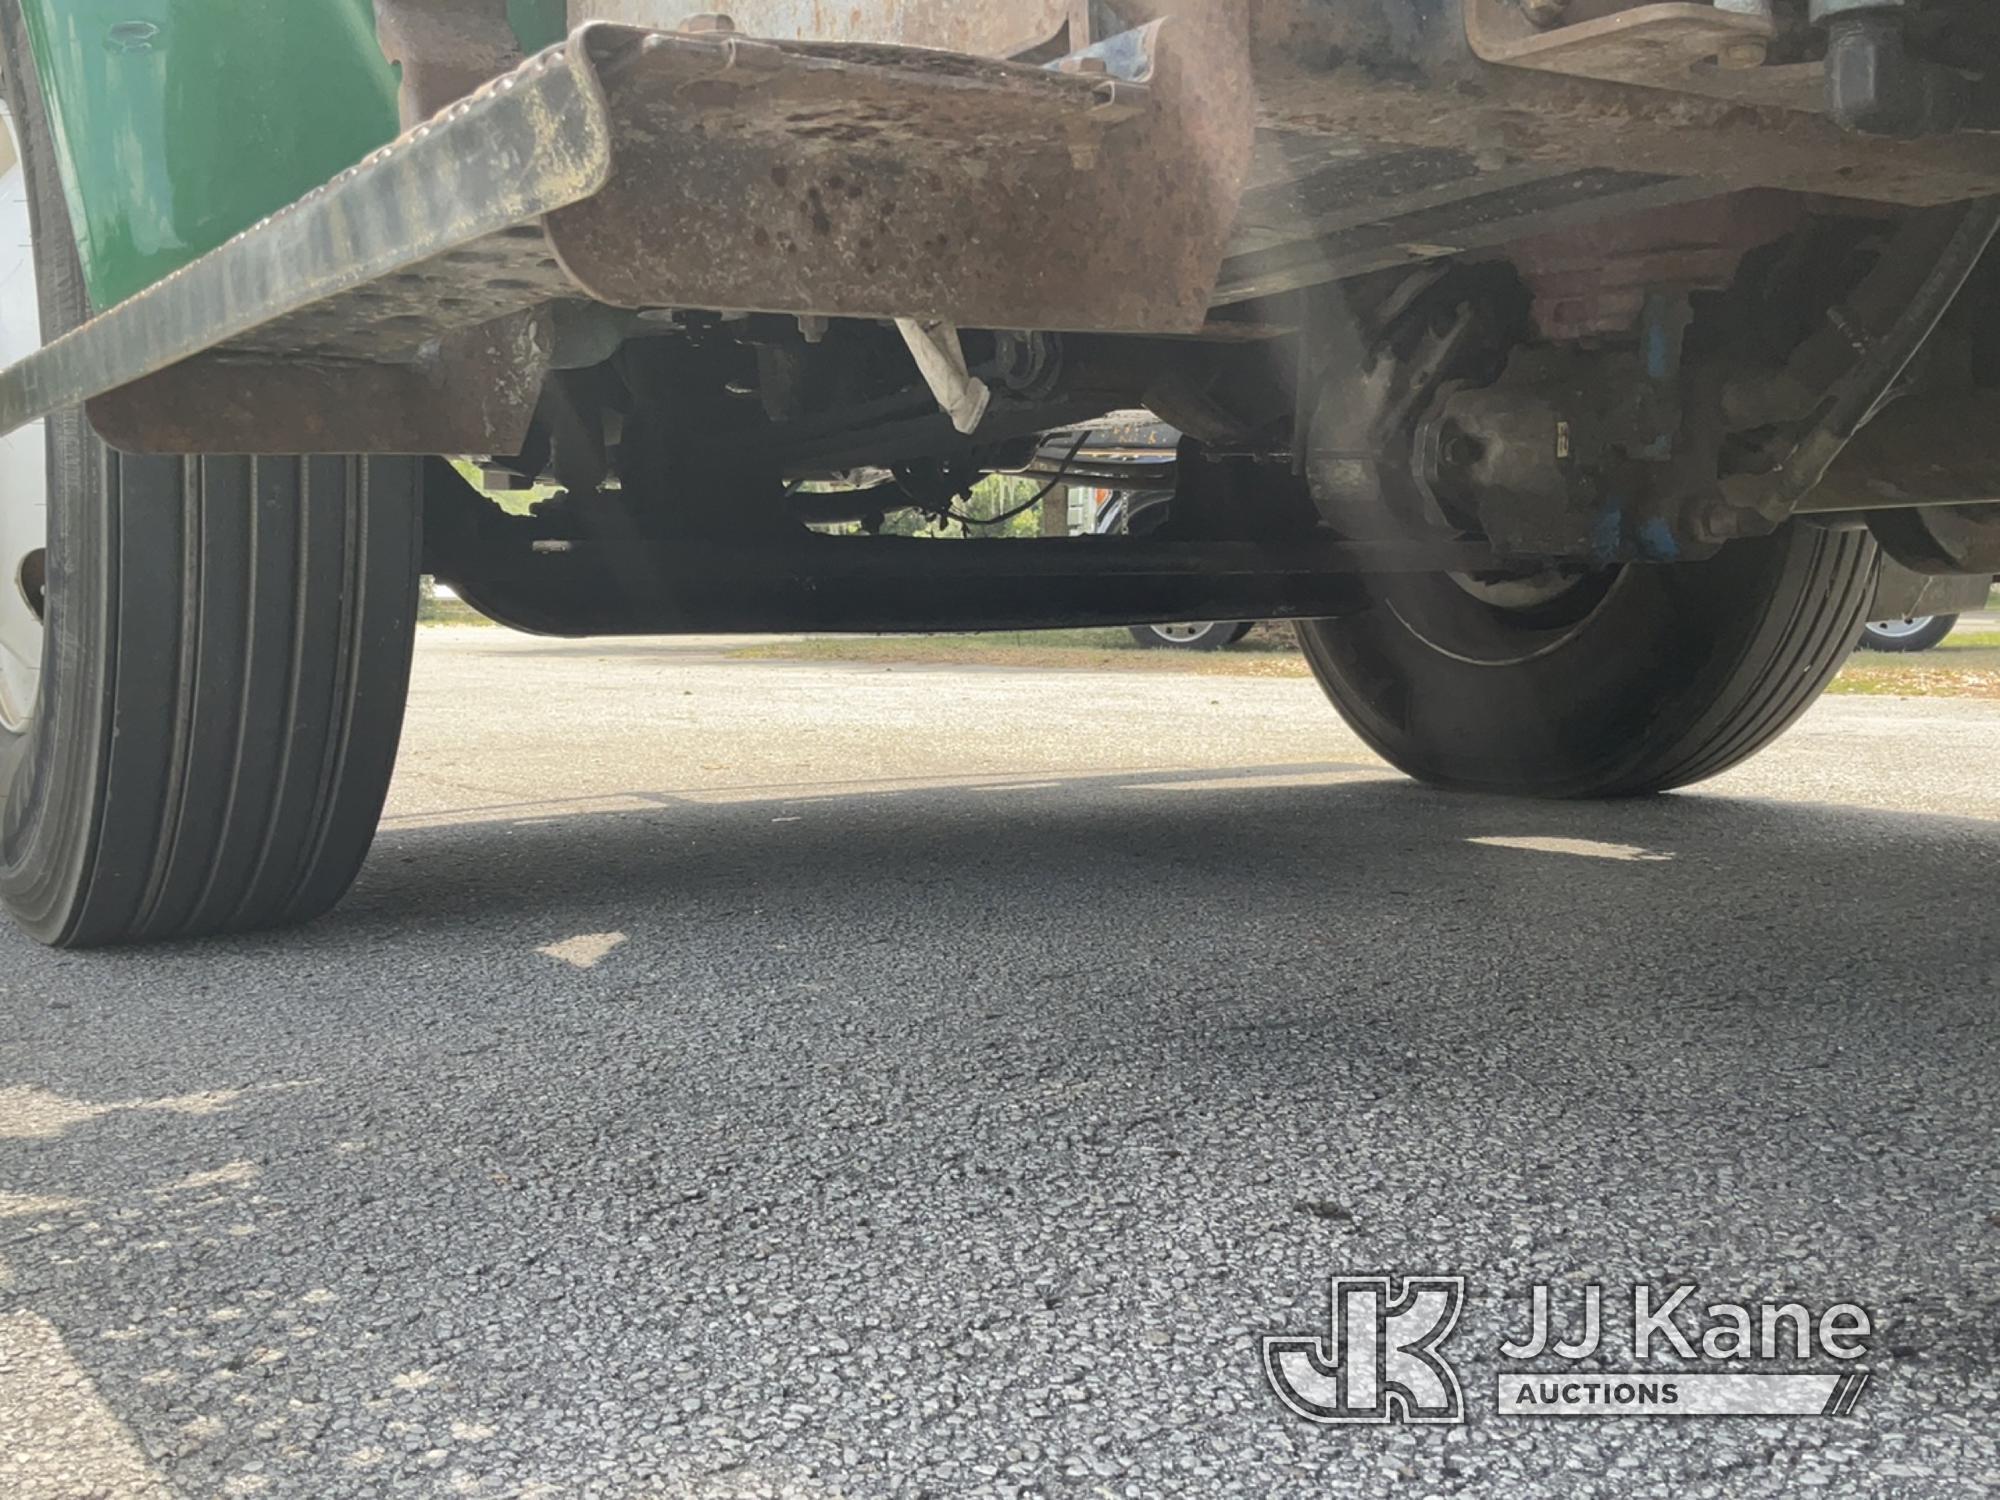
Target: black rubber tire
(1214, 638)
(1656, 677)
(1935, 629)
(227, 657)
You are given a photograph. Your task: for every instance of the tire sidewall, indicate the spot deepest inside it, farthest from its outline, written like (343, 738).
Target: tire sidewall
(47, 798)
(1607, 707)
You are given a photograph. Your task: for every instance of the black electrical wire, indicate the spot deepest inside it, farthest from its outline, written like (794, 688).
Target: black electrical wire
(1062, 472)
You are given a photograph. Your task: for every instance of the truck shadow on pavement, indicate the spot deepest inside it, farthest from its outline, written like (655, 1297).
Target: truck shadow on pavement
(816, 1145)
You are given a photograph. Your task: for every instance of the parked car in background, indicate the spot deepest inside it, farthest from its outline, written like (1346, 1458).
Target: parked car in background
(1193, 635)
(1134, 513)
(1914, 613)
(1918, 634)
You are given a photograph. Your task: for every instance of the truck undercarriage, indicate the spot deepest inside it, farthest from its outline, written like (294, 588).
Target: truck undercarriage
(713, 275)
(1494, 318)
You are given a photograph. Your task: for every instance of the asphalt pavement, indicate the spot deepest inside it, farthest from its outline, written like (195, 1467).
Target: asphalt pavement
(809, 1080)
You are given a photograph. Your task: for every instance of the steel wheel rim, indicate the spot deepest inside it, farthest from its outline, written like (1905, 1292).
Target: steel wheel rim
(1900, 630)
(24, 478)
(1185, 632)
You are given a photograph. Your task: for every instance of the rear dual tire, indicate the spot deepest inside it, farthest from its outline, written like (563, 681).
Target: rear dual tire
(225, 657)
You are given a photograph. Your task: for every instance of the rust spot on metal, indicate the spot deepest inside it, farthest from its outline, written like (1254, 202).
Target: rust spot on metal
(816, 206)
(987, 28)
(1025, 200)
(1595, 280)
(446, 50)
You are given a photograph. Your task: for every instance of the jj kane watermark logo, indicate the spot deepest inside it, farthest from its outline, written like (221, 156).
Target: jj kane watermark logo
(1380, 1362)
(1382, 1357)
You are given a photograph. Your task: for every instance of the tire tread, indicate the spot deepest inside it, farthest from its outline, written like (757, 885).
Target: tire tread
(1816, 636)
(1617, 716)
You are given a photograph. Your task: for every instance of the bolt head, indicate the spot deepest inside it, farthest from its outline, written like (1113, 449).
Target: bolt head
(1743, 55)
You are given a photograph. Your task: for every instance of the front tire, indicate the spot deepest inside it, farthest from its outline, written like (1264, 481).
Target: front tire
(1636, 681)
(225, 656)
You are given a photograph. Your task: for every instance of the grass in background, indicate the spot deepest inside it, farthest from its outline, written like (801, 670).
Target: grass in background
(1966, 665)
(1267, 654)
(432, 610)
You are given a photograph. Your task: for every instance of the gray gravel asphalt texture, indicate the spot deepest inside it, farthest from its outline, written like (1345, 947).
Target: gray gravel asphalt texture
(752, 1079)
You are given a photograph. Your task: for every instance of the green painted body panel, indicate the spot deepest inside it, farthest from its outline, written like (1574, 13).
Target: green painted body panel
(539, 23)
(179, 123)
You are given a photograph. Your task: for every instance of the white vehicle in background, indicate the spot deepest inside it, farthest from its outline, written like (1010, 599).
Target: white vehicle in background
(1133, 513)
(1918, 634)
(1915, 613)
(1193, 635)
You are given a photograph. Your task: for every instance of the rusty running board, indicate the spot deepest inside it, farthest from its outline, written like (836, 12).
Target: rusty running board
(415, 303)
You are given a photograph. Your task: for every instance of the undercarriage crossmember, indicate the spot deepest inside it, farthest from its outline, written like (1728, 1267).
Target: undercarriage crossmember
(588, 568)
